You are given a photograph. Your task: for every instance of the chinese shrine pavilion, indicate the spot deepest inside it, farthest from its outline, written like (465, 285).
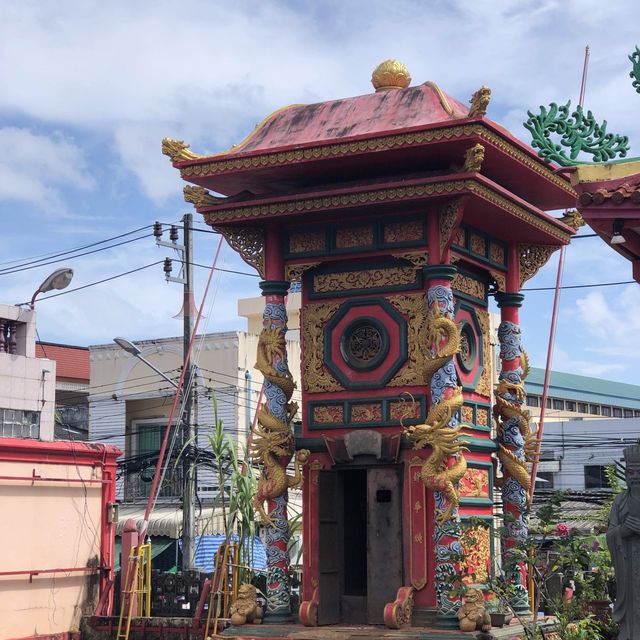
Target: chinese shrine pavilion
(400, 212)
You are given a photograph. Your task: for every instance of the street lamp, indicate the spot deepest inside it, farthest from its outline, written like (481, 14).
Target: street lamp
(59, 279)
(131, 348)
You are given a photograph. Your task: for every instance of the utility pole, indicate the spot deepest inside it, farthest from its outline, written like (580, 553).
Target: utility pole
(188, 431)
(188, 470)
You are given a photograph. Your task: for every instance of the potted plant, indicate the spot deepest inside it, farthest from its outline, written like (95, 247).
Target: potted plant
(500, 614)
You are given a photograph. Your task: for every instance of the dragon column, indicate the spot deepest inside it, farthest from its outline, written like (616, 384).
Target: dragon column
(273, 445)
(446, 464)
(514, 435)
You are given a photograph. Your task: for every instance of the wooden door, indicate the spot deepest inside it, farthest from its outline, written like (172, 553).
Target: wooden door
(384, 539)
(330, 543)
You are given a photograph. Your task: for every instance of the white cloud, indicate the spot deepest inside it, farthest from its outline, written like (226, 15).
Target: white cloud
(34, 168)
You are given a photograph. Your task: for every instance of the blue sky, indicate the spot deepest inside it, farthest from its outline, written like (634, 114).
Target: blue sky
(89, 89)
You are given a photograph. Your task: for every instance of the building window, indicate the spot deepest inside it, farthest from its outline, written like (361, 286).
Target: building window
(595, 477)
(547, 478)
(558, 404)
(636, 413)
(606, 411)
(617, 412)
(533, 401)
(548, 403)
(570, 405)
(594, 409)
(628, 413)
(583, 407)
(15, 423)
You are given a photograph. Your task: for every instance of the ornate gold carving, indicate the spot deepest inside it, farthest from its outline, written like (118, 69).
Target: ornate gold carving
(482, 417)
(307, 242)
(473, 159)
(452, 187)
(418, 538)
(248, 242)
(177, 150)
(476, 545)
(390, 74)
(366, 279)
(404, 410)
(459, 237)
(395, 232)
(328, 414)
(475, 483)
(200, 197)
(315, 378)
(419, 259)
(470, 286)
(443, 99)
(496, 253)
(532, 257)
(293, 272)
(417, 507)
(449, 218)
(352, 237)
(573, 218)
(371, 412)
(485, 381)
(478, 244)
(500, 280)
(466, 413)
(377, 144)
(479, 102)
(414, 308)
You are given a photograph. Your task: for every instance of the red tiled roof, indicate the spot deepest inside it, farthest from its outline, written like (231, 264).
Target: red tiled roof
(71, 362)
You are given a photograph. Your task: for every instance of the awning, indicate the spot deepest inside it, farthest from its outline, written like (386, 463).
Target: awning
(157, 547)
(166, 520)
(206, 547)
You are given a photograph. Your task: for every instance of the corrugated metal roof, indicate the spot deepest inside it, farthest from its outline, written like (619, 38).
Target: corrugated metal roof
(72, 363)
(206, 547)
(166, 520)
(569, 386)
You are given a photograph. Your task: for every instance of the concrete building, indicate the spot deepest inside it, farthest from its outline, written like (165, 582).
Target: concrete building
(27, 382)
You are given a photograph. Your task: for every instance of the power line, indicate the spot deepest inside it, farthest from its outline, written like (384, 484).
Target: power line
(580, 286)
(92, 284)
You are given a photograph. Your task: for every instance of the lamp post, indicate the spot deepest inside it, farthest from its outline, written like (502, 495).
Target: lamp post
(188, 496)
(59, 279)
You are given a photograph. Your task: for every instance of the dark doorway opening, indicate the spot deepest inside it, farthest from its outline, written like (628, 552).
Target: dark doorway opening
(355, 532)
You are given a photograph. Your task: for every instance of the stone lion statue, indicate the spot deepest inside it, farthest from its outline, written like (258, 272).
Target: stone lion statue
(472, 614)
(245, 609)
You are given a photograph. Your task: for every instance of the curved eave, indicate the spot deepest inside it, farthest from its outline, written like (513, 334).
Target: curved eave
(508, 216)
(507, 160)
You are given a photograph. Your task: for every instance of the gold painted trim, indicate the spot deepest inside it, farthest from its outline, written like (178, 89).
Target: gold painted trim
(374, 144)
(443, 100)
(603, 172)
(392, 194)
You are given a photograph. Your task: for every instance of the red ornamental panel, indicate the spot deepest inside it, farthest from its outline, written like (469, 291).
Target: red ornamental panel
(475, 484)
(418, 526)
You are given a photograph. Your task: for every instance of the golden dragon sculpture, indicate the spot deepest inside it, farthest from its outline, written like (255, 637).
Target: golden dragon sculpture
(444, 336)
(273, 443)
(505, 410)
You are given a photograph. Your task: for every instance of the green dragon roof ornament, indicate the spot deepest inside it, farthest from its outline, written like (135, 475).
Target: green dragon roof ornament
(578, 131)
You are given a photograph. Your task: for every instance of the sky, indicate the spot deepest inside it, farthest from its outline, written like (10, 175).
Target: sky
(89, 89)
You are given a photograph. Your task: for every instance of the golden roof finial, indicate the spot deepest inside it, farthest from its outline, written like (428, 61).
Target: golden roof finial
(390, 74)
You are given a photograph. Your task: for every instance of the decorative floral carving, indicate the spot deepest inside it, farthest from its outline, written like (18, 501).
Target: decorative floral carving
(315, 377)
(532, 257)
(395, 232)
(459, 236)
(350, 237)
(449, 217)
(478, 245)
(475, 483)
(328, 414)
(404, 410)
(418, 258)
(307, 242)
(485, 381)
(466, 413)
(500, 280)
(293, 272)
(248, 242)
(414, 308)
(470, 286)
(496, 253)
(365, 279)
(371, 412)
(479, 102)
(482, 417)
(476, 545)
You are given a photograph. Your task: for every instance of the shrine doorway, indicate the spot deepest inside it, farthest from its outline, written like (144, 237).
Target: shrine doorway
(360, 543)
